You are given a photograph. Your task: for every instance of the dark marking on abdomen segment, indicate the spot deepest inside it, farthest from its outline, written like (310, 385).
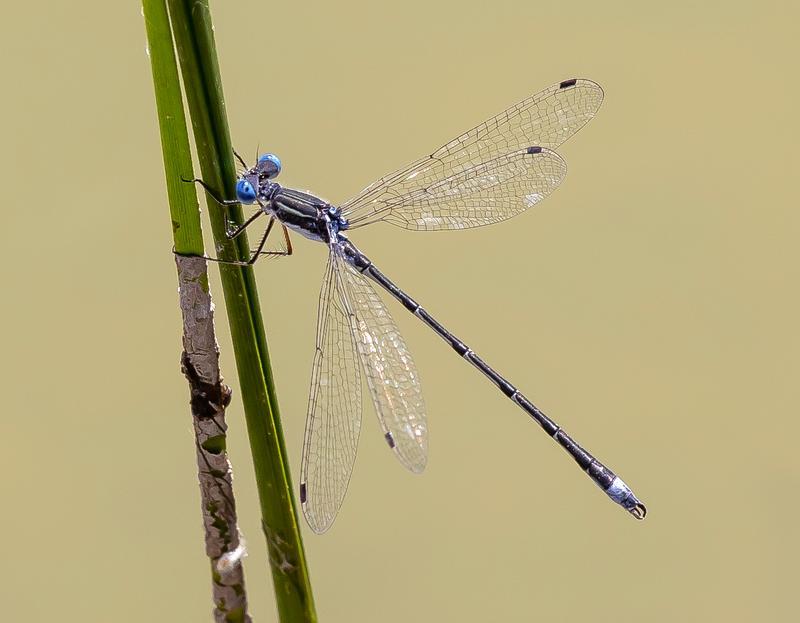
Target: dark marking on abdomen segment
(507, 388)
(549, 426)
(386, 283)
(448, 337)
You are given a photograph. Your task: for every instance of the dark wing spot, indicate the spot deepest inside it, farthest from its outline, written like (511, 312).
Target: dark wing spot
(568, 83)
(389, 440)
(534, 150)
(302, 493)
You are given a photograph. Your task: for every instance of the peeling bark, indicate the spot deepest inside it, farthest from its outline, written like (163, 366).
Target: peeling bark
(209, 397)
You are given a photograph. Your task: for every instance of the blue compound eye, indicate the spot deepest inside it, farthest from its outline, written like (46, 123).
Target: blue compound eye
(269, 165)
(245, 192)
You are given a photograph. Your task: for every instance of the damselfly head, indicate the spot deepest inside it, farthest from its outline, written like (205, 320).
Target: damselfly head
(245, 191)
(268, 166)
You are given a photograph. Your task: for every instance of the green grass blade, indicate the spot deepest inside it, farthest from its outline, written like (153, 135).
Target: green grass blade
(184, 210)
(192, 28)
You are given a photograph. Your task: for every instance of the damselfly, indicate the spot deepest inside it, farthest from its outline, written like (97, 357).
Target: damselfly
(495, 171)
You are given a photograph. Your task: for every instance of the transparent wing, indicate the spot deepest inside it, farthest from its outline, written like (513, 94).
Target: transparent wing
(546, 120)
(334, 409)
(391, 374)
(487, 193)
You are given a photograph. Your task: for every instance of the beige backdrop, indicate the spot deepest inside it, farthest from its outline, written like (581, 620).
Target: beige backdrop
(650, 306)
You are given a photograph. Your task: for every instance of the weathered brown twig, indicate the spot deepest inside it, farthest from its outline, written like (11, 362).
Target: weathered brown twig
(209, 398)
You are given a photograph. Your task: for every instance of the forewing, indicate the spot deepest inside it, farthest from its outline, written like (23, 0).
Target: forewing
(490, 192)
(391, 374)
(334, 409)
(544, 120)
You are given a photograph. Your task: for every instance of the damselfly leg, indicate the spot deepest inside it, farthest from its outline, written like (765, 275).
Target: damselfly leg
(211, 192)
(239, 230)
(259, 252)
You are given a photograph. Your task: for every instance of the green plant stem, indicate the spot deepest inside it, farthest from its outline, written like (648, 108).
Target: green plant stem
(200, 359)
(192, 28)
(184, 210)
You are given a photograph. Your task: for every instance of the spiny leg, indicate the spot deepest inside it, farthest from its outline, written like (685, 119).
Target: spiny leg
(213, 259)
(231, 235)
(285, 253)
(239, 158)
(288, 241)
(238, 231)
(261, 244)
(259, 250)
(211, 193)
(256, 254)
(227, 202)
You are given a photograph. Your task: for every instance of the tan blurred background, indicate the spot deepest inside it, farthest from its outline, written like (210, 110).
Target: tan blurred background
(650, 306)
